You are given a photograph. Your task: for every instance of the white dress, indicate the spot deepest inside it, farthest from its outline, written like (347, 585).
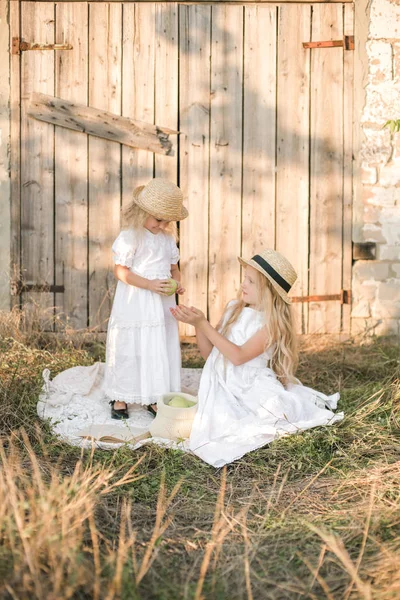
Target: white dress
(143, 358)
(244, 407)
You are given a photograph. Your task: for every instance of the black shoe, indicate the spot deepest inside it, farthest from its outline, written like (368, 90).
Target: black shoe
(151, 409)
(118, 413)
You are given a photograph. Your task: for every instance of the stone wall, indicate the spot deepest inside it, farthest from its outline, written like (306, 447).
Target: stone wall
(376, 283)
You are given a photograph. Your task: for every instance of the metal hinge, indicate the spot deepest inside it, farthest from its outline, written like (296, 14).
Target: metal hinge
(19, 46)
(347, 43)
(17, 287)
(344, 298)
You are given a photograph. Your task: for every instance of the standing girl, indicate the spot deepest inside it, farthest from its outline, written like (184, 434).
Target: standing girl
(143, 359)
(248, 393)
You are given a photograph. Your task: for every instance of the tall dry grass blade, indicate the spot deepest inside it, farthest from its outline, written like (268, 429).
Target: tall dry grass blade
(309, 484)
(211, 544)
(219, 527)
(336, 546)
(11, 592)
(127, 478)
(319, 565)
(163, 503)
(12, 497)
(317, 576)
(120, 559)
(37, 475)
(364, 540)
(96, 557)
(269, 503)
(246, 557)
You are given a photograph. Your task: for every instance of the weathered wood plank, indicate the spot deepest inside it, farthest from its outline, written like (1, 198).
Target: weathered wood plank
(259, 129)
(225, 156)
(194, 96)
(137, 90)
(71, 202)
(166, 82)
(348, 110)
(37, 163)
(326, 163)
(166, 87)
(15, 157)
(103, 124)
(5, 183)
(292, 179)
(215, 2)
(105, 45)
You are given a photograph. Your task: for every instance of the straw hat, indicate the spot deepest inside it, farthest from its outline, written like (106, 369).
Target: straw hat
(162, 199)
(276, 268)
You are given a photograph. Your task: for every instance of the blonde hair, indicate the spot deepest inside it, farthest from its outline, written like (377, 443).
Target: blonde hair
(133, 216)
(279, 323)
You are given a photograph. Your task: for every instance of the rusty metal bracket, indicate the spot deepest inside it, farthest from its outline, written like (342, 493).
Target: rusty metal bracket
(18, 46)
(344, 298)
(17, 287)
(347, 43)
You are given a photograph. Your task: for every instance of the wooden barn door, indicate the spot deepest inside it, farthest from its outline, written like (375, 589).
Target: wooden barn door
(263, 157)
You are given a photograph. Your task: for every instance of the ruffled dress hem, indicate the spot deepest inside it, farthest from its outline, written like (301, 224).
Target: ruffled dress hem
(131, 398)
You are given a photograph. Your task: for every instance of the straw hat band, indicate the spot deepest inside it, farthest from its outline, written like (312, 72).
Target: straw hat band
(271, 271)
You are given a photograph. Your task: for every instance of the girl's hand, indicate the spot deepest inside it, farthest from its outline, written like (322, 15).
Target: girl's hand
(158, 286)
(180, 290)
(192, 316)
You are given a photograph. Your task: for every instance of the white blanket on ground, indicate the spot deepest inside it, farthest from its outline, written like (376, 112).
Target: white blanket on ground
(75, 403)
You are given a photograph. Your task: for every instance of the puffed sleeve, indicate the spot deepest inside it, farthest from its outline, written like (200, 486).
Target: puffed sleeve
(174, 251)
(124, 248)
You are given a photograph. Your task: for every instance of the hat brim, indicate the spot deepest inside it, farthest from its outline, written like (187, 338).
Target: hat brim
(276, 286)
(178, 216)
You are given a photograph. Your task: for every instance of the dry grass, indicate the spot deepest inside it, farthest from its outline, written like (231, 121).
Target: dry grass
(315, 515)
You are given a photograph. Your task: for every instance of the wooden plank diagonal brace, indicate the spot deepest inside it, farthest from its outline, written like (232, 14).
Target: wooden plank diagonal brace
(100, 123)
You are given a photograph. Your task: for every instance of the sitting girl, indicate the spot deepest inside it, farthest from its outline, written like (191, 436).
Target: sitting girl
(248, 393)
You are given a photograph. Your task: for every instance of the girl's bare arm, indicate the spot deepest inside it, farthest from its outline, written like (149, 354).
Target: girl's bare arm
(126, 276)
(238, 355)
(204, 344)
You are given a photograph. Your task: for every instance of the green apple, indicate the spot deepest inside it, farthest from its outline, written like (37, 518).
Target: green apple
(172, 287)
(180, 402)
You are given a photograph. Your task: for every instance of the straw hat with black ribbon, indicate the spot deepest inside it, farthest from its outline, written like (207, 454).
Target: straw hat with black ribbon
(162, 199)
(276, 268)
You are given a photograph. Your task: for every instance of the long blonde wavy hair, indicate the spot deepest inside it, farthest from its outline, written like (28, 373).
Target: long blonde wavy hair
(133, 216)
(279, 323)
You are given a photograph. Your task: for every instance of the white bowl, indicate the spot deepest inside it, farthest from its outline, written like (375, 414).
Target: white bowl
(171, 422)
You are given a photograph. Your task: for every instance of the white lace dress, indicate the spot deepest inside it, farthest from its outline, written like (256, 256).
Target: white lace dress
(143, 358)
(244, 407)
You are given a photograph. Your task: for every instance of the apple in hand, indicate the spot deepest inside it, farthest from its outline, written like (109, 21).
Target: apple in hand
(172, 287)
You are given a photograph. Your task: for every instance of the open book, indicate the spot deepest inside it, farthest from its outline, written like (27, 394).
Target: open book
(113, 434)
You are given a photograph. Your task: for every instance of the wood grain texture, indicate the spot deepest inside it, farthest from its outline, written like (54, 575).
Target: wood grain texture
(194, 109)
(37, 164)
(104, 158)
(15, 156)
(259, 129)
(137, 90)
(166, 83)
(348, 117)
(326, 164)
(71, 156)
(225, 157)
(292, 178)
